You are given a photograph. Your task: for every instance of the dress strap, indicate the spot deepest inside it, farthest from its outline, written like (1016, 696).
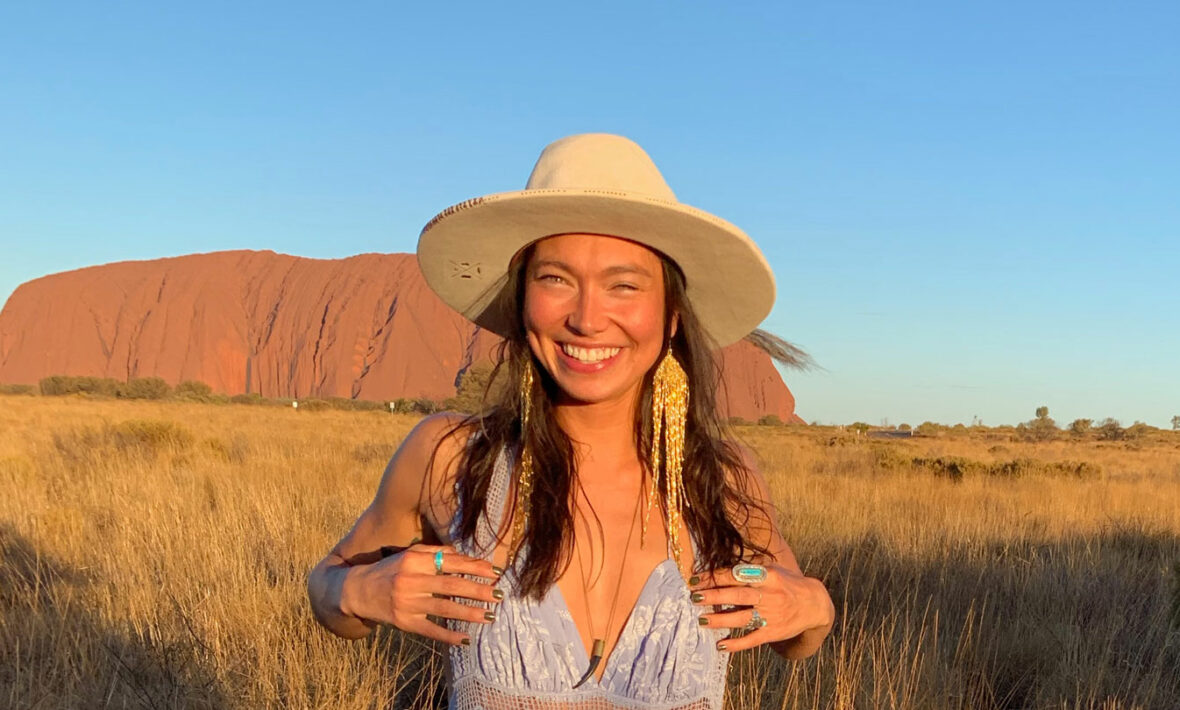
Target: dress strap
(484, 542)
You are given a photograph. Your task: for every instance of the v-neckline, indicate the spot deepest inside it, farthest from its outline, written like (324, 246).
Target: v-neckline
(568, 617)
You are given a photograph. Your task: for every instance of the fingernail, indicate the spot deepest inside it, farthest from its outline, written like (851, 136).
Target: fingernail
(497, 594)
(703, 620)
(498, 570)
(466, 641)
(720, 645)
(694, 581)
(489, 616)
(697, 597)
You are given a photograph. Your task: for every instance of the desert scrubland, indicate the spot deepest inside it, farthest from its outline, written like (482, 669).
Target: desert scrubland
(154, 554)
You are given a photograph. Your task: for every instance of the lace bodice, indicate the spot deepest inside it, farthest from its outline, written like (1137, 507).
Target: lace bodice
(530, 657)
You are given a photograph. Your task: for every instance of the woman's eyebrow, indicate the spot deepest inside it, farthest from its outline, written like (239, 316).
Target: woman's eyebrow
(626, 269)
(608, 271)
(542, 263)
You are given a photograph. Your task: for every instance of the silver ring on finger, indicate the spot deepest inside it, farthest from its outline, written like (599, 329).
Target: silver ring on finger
(756, 621)
(748, 574)
(438, 562)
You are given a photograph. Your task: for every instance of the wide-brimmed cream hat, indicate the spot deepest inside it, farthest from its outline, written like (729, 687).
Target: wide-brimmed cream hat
(595, 184)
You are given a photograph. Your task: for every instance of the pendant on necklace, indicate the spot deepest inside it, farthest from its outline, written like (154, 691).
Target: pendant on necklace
(595, 659)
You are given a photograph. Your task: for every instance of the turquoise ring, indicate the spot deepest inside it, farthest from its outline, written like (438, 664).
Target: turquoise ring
(749, 574)
(438, 562)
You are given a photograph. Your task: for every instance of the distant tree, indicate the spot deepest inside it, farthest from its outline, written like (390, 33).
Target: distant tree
(473, 390)
(1110, 430)
(1043, 427)
(1138, 430)
(1176, 423)
(904, 427)
(859, 427)
(929, 429)
(1081, 427)
(770, 420)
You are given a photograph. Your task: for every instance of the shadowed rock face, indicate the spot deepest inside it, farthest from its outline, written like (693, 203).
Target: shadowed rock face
(246, 321)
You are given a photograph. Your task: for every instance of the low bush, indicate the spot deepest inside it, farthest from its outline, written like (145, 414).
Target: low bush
(193, 389)
(18, 389)
(56, 385)
(144, 388)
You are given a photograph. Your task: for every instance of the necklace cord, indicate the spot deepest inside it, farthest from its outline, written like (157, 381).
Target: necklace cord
(599, 644)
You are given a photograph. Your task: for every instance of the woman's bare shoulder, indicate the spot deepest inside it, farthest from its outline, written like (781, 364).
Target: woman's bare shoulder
(434, 446)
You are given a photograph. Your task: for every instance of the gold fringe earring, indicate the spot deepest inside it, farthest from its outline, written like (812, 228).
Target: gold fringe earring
(669, 414)
(524, 482)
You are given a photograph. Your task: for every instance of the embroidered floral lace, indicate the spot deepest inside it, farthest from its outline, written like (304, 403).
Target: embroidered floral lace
(532, 655)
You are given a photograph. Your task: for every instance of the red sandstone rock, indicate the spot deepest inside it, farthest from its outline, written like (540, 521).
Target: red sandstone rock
(246, 321)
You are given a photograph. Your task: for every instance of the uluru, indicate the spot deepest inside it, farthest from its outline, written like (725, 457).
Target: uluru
(365, 327)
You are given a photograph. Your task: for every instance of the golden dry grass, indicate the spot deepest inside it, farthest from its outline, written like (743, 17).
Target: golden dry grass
(153, 554)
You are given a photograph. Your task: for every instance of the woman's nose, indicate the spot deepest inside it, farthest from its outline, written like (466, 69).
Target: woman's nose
(588, 315)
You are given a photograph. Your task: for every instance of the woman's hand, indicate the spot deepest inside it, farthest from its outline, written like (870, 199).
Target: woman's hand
(402, 589)
(791, 605)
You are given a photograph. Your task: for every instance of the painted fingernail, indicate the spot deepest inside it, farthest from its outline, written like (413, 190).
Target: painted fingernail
(489, 616)
(499, 571)
(720, 645)
(697, 597)
(415, 541)
(497, 594)
(694, 581)
(703, 620)
(466, 641)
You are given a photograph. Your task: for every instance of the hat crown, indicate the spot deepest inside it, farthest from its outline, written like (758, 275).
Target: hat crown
(598, 161)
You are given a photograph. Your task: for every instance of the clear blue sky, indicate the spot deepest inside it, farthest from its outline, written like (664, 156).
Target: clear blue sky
(971, 209)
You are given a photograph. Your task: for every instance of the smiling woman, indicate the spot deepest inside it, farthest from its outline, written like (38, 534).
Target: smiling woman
(524, 536)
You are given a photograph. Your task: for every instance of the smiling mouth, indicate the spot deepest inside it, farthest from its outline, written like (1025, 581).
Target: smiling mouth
(589, 356)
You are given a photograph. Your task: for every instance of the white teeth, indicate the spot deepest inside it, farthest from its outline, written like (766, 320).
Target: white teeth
(588, 355)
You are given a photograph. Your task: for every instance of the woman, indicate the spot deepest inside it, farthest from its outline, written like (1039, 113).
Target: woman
(593, 539)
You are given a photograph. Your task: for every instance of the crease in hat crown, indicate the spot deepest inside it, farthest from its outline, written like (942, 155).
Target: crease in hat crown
(598, 161)
(595, 183)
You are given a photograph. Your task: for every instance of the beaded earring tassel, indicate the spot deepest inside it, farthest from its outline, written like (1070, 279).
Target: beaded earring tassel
(669, 414)
(524, 481)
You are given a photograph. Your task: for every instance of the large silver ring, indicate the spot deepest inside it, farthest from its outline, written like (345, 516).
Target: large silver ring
(438, 562)
(749, 574)
(756, 621)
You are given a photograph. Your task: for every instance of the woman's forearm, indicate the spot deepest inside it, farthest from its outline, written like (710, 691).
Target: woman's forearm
(326, 589)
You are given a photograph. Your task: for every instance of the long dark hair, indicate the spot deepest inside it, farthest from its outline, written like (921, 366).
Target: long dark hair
(716, 483)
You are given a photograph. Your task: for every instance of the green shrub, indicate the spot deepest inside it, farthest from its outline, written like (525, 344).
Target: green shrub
(247, 398)
(770, 420)
(70, 384)
(18, 389)
(145, 388)
(193, 389)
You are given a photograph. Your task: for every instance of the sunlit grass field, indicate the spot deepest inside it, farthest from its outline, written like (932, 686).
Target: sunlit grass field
(154, 554)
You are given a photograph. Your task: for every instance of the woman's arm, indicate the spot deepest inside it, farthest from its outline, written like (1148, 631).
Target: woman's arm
(355, 587)
(798, 609)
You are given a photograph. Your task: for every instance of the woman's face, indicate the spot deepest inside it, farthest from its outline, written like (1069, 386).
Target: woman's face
(594, 314)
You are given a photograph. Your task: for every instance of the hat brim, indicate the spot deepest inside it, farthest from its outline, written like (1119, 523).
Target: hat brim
(465, 251)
